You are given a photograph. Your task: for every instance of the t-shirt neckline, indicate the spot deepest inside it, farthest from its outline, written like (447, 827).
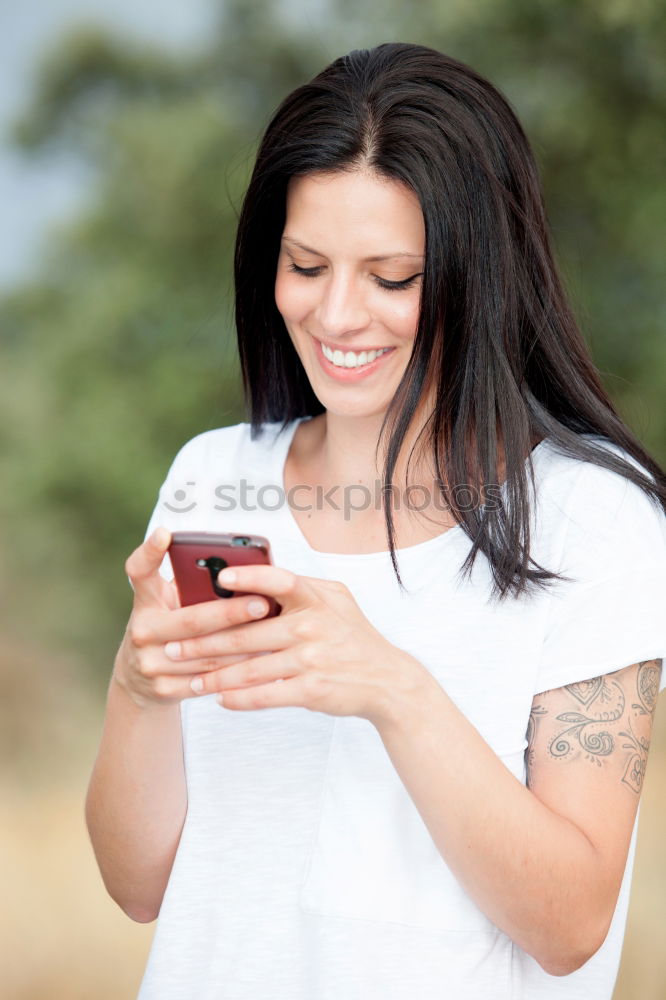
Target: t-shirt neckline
(407, 553)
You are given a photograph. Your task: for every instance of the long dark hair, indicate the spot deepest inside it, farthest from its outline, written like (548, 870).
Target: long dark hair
(496, 332)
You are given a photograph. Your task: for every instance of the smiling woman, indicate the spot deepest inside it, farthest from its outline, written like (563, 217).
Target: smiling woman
(422, 777)
(346, 296)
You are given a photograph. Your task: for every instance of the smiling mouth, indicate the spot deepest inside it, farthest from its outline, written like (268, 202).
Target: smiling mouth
(351, 360)
(349, 366)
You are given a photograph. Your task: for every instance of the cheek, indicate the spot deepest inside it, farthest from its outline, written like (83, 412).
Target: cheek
(402, 315)
(291, 297)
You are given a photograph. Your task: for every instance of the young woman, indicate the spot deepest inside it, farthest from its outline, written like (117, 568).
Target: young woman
(420, 780)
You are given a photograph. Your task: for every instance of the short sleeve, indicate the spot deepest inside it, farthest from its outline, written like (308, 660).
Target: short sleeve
(612, 612)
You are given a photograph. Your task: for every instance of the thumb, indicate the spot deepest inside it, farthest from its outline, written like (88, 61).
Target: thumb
(142, 566)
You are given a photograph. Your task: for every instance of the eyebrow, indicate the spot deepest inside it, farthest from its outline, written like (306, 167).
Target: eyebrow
(387, 256)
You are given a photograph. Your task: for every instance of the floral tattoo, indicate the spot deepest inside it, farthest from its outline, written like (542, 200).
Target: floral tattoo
(598, 723)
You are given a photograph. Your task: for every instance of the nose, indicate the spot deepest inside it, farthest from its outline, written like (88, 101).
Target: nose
(342, 307)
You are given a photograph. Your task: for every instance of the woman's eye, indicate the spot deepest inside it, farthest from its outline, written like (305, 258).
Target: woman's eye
(313, 272)
(307, 272)
(396, 285)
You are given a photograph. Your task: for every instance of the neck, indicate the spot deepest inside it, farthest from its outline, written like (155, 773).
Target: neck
(343, 451)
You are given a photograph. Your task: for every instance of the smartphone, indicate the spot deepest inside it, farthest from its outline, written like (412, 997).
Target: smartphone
(198, 556)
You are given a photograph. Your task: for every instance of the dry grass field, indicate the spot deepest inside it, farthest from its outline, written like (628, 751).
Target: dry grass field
(64, 939)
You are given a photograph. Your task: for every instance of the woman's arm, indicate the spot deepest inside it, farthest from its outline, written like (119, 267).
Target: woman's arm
(137, 799)
(137, 796)
(543, 862)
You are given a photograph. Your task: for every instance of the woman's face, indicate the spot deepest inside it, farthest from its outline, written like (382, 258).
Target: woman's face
(348, 282)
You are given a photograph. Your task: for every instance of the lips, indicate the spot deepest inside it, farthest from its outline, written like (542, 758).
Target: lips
(341, 374)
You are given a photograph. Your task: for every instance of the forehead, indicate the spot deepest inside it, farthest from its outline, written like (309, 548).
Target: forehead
(374, 213)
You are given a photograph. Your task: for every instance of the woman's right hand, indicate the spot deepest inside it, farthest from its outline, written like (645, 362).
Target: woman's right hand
(142, 668)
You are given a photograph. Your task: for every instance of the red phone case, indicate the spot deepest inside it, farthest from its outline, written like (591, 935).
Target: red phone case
(198, 556)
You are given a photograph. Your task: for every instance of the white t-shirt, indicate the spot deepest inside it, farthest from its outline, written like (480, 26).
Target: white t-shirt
(304, 870)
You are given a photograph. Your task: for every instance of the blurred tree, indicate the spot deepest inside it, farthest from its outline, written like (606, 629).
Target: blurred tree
(122, 346)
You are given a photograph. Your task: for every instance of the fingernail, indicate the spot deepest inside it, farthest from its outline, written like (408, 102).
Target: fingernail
(220, 699)
(227, 575)
(197, 685)
(172, 650)
(256, 608)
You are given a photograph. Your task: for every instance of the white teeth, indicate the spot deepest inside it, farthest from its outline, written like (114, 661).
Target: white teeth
(350, 359)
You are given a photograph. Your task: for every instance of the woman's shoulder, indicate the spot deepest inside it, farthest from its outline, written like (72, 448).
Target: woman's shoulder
(203, 466)
(584, 474)
(208, 447)
(598, 507)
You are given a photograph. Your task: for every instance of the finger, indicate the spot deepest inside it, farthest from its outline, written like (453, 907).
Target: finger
(252, 671)
(142, 566)
(157, 627)
(274, 581)
(160, 683)
(250, 638)
(332, 588)
(316, 581)
(278, 694)
(159, 670)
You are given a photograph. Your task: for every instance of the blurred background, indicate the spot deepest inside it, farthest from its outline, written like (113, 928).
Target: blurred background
(128, 133)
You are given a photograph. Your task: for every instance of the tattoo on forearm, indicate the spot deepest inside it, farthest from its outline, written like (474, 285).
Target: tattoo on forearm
(603, 725)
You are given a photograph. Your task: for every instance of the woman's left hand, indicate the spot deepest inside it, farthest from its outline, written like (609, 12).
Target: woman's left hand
(325, 652)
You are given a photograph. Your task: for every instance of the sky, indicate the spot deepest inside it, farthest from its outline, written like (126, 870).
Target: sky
(34, 197)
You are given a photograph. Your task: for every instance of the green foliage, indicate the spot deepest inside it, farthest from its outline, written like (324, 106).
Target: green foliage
(122, 346)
